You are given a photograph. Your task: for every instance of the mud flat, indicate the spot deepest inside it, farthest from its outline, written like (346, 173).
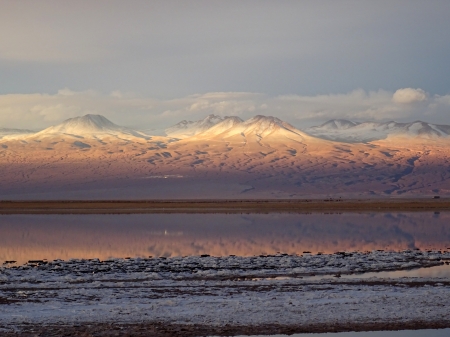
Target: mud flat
(223, 206)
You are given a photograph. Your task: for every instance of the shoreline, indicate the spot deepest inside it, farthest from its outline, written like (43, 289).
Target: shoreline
(201, 206)
(164, 329)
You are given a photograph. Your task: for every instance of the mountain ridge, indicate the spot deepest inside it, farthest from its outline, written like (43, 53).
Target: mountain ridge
(186, 129)
(262, 156)
(362, 132)
(214, 126)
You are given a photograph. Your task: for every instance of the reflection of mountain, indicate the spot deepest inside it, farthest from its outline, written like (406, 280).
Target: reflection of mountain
(84, 236)
(91, 157)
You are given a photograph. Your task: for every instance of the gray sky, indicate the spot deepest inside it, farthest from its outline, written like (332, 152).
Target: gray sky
(147, 62)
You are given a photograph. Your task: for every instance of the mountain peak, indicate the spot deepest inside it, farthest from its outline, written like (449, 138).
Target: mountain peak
(212, 118)
(253, 129)
(263, 119)
(225, 125)
(89, 125)
(186, 129)
(266, 124)
(86, 124)
(338, 124)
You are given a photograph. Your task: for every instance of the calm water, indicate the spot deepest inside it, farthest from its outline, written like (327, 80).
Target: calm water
(25, 237)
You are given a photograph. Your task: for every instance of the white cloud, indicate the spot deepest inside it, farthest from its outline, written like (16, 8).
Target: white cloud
(37, 111)
(409, 95)
(357, 104)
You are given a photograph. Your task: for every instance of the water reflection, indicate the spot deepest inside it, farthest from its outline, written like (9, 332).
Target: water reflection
(24, 237)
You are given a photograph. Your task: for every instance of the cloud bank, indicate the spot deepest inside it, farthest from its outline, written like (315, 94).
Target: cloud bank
(37, 111)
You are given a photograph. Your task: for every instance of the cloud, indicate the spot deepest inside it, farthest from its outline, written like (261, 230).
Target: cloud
(357, 104)
(409, 95)
(37, 111)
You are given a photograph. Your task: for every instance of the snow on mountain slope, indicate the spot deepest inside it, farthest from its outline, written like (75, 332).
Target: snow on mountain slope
(352, 132)
(185, 129)
(11, 133)
(90, 126)
(337, 124)
(260, 156)
(222, 127)
(257, 128)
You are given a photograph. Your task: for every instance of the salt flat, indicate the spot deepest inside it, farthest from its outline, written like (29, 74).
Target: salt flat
(227, 295)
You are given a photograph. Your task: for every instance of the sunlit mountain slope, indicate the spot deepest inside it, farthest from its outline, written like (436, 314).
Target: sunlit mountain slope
(91, 157)
(185, 129)
(13, 133)
(88, 126)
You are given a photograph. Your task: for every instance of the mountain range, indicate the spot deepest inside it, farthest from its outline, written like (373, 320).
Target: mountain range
(347, 131)
(339, 130)
(91, 157)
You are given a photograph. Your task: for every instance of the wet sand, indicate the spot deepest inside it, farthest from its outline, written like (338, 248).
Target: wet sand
(222, 206)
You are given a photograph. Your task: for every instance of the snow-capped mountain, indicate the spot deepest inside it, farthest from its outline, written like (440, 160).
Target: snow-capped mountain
(89, 125)
(186, 129)
(256, 128)
(337, 124)
(353, 132)
(225, 125)
(261, 156)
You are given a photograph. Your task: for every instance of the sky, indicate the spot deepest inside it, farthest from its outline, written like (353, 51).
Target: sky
(148, 64)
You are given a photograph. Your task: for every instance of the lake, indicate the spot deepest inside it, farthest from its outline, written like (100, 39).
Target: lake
(30, 237)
